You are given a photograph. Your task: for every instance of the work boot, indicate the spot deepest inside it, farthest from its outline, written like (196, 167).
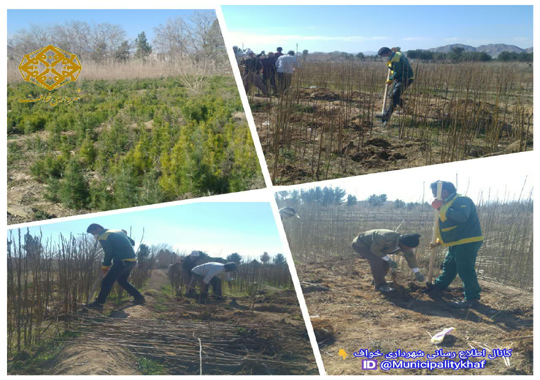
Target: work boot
(465, 304)
(95, 306)
(139, 301)
(432, 288)
(385, 288)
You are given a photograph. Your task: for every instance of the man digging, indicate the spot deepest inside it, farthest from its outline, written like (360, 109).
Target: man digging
(376, 245)
(401, 76)
(209, 274)
(118, 248)
(459, 230)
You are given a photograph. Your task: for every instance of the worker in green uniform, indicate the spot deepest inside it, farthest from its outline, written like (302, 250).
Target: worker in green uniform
(459, 230)
(118, 249)
(376, 245)
(401, 77)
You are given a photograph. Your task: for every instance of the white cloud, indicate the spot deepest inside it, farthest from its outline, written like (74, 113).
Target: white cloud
(417, 39)
(451, 39)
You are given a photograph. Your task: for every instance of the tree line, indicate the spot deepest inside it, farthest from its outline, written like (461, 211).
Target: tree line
(328, 196)
(458, 54)
(197, 38)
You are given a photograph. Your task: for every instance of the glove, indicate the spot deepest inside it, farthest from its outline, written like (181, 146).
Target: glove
(436, 244)
(105, 270)
(436, 204)
(392, 264)
(389, 81)
(419, 277)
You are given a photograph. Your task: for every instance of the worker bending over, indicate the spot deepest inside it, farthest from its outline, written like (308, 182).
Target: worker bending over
(210, 273)
(118, 249)
(376, 245)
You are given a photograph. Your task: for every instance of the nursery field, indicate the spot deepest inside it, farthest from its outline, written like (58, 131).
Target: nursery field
(324, 127)
(125, 143)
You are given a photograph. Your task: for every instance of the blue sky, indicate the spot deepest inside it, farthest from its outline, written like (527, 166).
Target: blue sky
(363, 28)
(133, 21)
(218, 228)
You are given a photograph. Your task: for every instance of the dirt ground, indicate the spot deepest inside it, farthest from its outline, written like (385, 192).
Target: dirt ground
(367, 146)
(25, 195)
(348, 314)
(179, 334)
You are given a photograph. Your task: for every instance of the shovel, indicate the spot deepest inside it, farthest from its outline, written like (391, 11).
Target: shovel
(434, 236)
(385, 99)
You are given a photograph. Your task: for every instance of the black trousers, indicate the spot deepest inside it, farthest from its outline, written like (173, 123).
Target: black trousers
(397, 89)
(119, 272)
(284, 81)
(269, 79)
(215, 282)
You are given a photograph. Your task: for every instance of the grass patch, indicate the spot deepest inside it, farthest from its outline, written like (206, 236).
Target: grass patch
(40, 358)
(150, 367)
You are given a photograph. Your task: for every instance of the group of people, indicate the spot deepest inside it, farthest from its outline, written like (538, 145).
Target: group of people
(119, 260)
(268, 72)
(458, 229)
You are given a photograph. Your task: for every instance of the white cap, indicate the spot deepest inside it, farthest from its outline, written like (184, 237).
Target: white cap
(194, 254)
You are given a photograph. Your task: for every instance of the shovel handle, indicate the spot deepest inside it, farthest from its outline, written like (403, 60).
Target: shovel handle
(385, 99)
(434, 235)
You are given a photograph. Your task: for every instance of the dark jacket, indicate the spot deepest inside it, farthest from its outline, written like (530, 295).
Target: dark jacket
(253, 65)
(117, 247)
(400, 66)
(384, 242)
(458, 221)
(268, 64)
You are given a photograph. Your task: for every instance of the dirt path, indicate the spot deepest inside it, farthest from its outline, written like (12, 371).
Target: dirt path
(171, 332)
(85, 357)
(348, 314)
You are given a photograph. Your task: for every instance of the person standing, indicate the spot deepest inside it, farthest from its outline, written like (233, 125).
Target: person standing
(401, 77)
(459, 229)
(286, 65)
(269, 71)
(252, 73)
(118, 249)
(376, 245)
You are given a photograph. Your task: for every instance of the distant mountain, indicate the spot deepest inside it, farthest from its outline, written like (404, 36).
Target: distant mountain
(448, 48)
(495, 49)
(492, 49)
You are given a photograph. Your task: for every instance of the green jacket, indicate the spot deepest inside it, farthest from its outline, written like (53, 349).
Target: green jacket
(400, 67)
(384, 242)
(458, 221)
(117, 246)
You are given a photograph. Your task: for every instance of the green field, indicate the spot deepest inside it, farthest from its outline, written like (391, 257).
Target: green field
(126, 143)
